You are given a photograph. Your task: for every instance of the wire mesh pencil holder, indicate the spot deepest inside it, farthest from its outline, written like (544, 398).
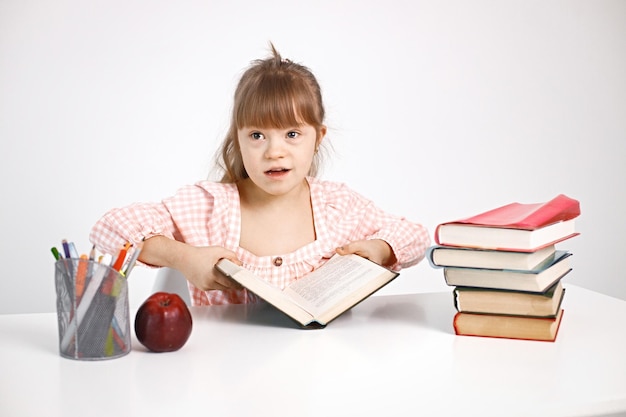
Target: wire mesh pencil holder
(92, 309)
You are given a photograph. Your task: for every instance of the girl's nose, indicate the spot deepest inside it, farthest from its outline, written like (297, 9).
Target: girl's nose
(275, 148)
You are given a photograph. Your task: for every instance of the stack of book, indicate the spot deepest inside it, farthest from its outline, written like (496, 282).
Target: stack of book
(506, 268)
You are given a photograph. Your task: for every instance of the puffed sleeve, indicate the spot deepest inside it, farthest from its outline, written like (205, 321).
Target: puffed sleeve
(183, 217)
(132, 224)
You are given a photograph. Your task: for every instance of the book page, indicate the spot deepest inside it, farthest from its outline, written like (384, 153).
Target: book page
(321, 295)
(266, 291)
(335, 281)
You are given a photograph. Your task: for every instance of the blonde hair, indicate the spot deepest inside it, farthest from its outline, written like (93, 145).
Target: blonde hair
(272, 93)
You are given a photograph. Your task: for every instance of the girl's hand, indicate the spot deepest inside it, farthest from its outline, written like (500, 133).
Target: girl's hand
(197, 264)
(376, 250)
(199, 268)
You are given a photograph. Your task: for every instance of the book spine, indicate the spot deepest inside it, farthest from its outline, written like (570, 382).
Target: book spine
(430, 253)
(436, 234)
(504, 333)
(457, 304)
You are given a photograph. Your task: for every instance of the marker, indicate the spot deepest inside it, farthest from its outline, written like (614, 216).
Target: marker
(56, 253)
(109, 282)
(66, 274)
(132, 261)
(68, 265)
(121, 257)
(73, 252)
(66, 249)
(81, 275)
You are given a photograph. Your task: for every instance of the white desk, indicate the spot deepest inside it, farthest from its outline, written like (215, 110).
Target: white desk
(390, 355)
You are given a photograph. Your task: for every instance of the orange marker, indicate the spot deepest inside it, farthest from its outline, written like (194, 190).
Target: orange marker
(121, 257)
(107, 286)
(81, 275)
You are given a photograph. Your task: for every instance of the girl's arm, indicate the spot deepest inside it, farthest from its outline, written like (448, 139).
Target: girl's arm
(408, 241)
(195, 263)
(133, 223)
(174, 234)
(367, 230)
(376, 250)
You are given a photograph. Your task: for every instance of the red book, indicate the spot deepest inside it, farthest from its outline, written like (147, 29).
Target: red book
(514, 227)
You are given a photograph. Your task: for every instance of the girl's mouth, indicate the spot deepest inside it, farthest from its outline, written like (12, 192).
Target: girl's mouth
(277, 171)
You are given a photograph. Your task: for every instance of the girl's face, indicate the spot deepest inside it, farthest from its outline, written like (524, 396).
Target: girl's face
(276, 159)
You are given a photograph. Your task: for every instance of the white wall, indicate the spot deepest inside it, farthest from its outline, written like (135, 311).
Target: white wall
(437, 110)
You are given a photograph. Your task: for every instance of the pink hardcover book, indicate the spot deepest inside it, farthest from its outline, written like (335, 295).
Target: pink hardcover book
(533, 223)
(527, 216)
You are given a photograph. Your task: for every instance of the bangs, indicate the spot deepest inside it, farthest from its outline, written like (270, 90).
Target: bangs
(277, 102)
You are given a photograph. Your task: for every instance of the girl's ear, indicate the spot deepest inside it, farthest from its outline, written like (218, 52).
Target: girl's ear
(320, 136)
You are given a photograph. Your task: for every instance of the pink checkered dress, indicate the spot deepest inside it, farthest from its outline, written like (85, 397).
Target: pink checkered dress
(208, 214)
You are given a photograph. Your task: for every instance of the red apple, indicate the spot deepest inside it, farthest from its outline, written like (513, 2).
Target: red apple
(163, 322)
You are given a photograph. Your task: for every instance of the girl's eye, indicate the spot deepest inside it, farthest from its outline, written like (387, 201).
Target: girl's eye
(292, 135)
(256, 136)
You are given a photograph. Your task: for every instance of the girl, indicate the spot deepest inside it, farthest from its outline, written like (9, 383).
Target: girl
(269, 213)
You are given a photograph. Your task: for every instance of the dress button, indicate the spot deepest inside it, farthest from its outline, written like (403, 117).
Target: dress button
(278, 261)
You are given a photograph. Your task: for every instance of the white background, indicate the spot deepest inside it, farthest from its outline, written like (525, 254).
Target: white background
(436, 110)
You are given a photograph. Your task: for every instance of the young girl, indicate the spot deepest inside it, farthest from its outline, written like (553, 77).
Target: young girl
(269, 213)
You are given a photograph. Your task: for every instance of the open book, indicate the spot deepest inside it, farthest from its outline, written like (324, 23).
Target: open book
(319, 297)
